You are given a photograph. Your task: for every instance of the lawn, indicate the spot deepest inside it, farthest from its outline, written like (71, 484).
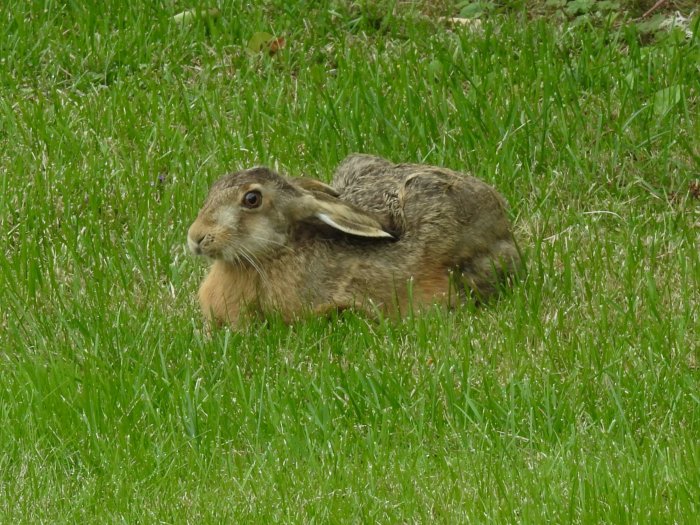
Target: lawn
(574, 398)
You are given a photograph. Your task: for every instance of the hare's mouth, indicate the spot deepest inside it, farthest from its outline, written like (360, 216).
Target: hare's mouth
(195, 248)
(202, 245)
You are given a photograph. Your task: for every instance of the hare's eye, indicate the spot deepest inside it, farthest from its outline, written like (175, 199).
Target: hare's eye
(252, 199)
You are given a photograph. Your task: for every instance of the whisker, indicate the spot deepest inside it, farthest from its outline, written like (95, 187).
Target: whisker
(255, 263)
(270, 241)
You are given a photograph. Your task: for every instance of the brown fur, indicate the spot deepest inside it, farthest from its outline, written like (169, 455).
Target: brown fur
(387, 237)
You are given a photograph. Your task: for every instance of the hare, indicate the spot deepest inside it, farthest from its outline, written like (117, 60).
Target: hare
(382, 237)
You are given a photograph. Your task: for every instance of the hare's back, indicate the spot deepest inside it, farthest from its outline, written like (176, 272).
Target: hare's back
(442, 219)
(416, 198)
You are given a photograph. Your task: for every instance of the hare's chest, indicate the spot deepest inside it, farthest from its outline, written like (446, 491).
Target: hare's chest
(227, 292)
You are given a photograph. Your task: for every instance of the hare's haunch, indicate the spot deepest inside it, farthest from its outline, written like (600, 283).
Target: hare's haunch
(382, 236)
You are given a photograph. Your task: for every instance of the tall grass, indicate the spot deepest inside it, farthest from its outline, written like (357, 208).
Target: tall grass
(574, 398)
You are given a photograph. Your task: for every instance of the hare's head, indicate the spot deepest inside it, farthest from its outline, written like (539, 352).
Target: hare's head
(252, 214)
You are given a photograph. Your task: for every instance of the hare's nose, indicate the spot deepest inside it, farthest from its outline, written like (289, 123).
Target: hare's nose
(195, 243)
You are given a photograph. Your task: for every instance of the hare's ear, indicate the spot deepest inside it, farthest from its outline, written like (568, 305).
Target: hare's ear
(355, 222)
(313, 185)
(340, 215)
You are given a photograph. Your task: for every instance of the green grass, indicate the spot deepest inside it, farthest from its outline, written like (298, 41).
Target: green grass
(573, 399)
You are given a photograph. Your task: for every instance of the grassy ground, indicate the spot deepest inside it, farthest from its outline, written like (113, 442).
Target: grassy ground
(575, 398)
